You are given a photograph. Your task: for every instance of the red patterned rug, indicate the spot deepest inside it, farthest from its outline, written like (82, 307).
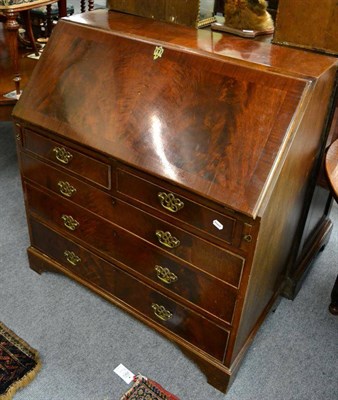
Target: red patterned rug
(19, 363)
(145, 389)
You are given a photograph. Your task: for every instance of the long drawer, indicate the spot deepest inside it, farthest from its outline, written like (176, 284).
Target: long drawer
(146, 301)
(192, 249)
(79, 163)
(147, 261)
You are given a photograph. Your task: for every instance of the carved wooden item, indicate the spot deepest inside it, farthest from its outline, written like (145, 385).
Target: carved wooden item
(174, 181)
(182, 12)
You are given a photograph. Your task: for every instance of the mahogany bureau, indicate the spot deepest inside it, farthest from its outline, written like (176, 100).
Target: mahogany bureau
(171, 171)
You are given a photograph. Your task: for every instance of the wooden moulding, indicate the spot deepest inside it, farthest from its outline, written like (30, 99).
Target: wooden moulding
(308, 24)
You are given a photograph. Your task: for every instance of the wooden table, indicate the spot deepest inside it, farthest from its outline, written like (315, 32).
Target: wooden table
(10, 14)
(27, 66)
(331, 165)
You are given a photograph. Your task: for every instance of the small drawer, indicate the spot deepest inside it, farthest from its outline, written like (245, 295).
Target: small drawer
(66, 157)
(64, 184)
(177, 206)
(191, 249)
(146, 301)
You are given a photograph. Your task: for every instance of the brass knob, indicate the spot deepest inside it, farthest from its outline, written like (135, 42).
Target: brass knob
(167, 240)
(66, 188)
(170, 202)
(62, 155)
(71, 257)
(165, 275)
(161, 312)
(69, 222)
(247, 238)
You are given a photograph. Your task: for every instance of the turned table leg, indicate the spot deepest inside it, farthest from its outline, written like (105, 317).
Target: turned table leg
(49, 20)
(90, 5)
(11, 31)
(83, 6)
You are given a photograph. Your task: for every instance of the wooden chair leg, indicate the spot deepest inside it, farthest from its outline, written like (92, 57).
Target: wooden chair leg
(62, 5)
(29, 31)
(334, 299)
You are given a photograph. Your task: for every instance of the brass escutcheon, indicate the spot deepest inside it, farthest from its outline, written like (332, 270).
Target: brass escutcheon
(66, 188)
(161, 312)
(158, 52)
(71, 257)
(62, 155)
(170, 202)
(167, 240)
(165, 275)
(69, 222)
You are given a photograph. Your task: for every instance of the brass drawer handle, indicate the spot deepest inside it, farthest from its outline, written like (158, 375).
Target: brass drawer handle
(62, 155)
(165, 275)
(167, 240)
(170, 202)
(66, 188)
(69, 222)
(71, 257)
(161, 312)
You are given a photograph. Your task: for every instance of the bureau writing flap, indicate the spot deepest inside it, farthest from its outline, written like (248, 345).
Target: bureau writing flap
(204, 121)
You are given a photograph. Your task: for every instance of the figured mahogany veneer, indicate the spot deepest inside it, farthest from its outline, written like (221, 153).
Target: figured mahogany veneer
(172, 171)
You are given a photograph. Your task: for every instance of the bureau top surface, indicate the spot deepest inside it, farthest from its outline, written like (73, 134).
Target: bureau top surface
(212, 113)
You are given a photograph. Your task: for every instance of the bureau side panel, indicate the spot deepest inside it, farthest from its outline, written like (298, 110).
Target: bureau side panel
(285, 214)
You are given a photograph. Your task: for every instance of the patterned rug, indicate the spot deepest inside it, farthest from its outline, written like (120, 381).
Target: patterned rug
(19, 363)
(145, 389)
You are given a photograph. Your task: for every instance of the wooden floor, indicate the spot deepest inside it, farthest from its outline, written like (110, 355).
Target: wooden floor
(6, 76)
